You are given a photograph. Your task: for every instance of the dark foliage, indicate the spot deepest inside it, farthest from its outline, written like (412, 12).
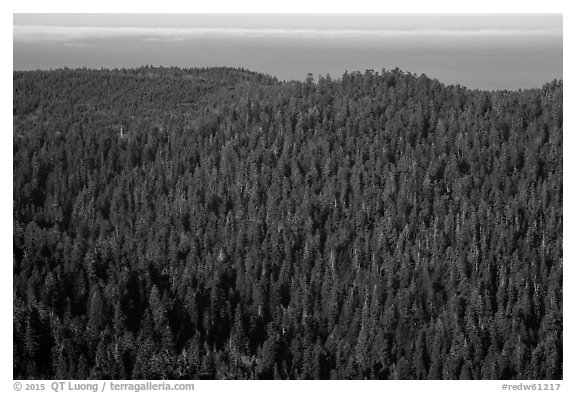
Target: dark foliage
(217, 223)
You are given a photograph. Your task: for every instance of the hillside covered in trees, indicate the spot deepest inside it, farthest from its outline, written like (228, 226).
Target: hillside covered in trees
(218, 223)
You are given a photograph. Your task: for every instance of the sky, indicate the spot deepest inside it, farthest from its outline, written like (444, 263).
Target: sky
(485, 51)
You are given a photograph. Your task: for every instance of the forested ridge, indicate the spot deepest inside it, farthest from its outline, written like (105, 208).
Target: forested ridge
(219, 223)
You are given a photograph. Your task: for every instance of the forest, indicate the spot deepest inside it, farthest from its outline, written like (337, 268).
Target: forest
(217, 223)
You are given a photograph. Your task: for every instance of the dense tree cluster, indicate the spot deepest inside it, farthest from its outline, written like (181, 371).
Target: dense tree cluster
(217, 223)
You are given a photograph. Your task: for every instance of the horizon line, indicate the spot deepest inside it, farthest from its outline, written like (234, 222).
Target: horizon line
(63, 34)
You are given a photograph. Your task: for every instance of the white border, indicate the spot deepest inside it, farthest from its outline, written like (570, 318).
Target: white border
(292, 6)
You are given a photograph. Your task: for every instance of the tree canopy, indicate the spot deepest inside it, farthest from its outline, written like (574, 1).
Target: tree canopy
(217, 223)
